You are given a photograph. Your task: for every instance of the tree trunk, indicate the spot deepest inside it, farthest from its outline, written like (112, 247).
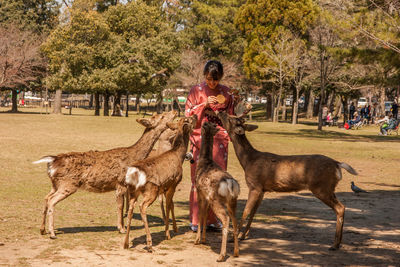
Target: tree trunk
(322, 94)
(91, 101)
(331, 97)
(117, 105)
(14, 99)
(96, 104)
(345, 109)
(284, 110)
(57, 102)
(278, 106)
(137, 103)
(106, 111)
(310, 106)
(338, 107)
(273, 105)
(268, 107)
(295, 109)
(159, 103)
(382, 101)
(127, 104)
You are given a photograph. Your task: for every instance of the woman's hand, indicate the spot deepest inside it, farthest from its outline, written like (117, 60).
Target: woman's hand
(211, 100)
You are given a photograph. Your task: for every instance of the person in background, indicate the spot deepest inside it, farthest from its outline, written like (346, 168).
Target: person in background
(203, 100)
(352, 110)
(395, 109)
(391, 124)
(357, 119)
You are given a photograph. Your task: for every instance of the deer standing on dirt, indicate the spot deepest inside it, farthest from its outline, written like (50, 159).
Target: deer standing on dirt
(267, 172)
(164, 144)
(98, 171)
(158, 175)
(217, 189)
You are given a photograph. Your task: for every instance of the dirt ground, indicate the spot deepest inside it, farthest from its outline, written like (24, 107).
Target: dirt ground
(371, 237)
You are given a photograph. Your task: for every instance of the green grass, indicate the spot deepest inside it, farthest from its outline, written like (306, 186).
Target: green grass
(89, 220)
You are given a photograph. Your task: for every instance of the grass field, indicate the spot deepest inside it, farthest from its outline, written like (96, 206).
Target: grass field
(87, 221)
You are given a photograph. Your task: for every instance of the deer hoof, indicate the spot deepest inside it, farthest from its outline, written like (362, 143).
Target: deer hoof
(42, 231)
(122, 231)
(236, 254)
(221, 258)
(53, 237)
(150, 249)
(197, 242)
(334, 248)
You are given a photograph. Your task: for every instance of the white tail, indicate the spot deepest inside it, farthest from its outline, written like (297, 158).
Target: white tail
(348, 168)
(135, 177)
(47, 159)
(229, 187)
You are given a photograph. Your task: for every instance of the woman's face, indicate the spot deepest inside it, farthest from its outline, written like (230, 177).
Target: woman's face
(211, 83)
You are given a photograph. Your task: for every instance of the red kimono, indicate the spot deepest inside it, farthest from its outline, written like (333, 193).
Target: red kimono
(195, 104)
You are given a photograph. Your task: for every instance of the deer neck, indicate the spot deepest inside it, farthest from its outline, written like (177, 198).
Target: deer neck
(206, 153)
(145, 143)
(243, 149)
(180, 144)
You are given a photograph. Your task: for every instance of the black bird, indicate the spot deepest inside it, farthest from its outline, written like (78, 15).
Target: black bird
(356, 189)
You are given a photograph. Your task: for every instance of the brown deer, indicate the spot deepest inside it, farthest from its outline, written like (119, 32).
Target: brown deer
(98, 171)
(216, 189)
(267, 172)
(164, 144)
(158, 175)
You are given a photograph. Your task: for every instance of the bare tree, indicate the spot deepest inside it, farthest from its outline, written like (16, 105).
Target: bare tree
(281, 55)
(20, 60)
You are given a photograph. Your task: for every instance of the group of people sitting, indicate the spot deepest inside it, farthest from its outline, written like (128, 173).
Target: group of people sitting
(389, 123)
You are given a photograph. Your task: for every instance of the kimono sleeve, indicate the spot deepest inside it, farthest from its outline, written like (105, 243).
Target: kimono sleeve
(193, 106)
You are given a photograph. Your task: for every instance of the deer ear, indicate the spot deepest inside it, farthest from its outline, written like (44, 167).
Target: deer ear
(145, 122)
(172, 125)
(239, 130)
(249, 127)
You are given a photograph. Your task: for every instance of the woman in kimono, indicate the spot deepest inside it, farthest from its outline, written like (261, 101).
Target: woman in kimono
(202, 100)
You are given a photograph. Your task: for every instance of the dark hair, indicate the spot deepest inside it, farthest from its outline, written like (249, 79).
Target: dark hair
(214, 68)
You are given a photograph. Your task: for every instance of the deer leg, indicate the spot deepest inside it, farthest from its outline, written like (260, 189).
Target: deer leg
(127, 201)
(254, 200)
(46, 205)
(120, 193)
(204, 222)
(161, 200)
(231, 207)
(219, 211)
(168, 199)
(339, 208)
(173, 218)
(59, 195)
(200, 216)
(130, 215)
(149, 197)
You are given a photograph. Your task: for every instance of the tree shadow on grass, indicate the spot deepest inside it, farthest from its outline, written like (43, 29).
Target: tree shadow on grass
(333, 135)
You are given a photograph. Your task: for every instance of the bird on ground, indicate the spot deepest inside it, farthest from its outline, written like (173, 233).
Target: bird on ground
(356, 189)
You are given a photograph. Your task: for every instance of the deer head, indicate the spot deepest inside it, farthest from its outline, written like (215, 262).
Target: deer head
(235, 125)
